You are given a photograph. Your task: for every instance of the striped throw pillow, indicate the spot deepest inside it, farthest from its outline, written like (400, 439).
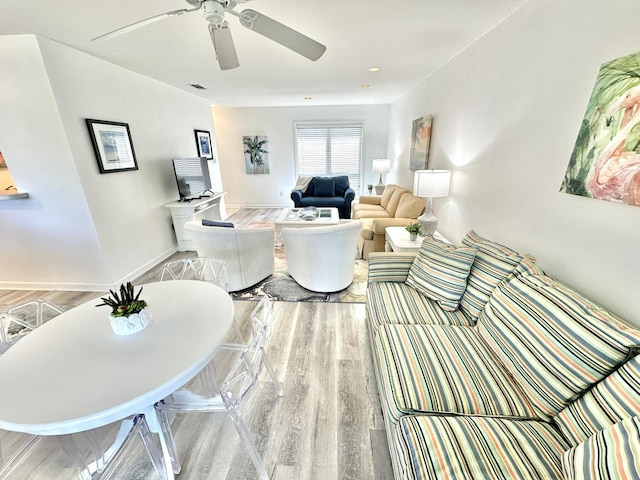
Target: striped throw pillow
(493, 263)
(610, 453)
(440, 272)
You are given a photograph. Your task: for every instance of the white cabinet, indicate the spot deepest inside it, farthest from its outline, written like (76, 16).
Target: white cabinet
(196, 209)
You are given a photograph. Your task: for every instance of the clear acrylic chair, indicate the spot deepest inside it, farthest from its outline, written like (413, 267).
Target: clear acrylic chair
(17, 321)
(239, 382)
(102, 463)
(199, 268)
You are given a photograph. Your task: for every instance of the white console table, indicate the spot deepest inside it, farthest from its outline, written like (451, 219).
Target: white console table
(196, 209)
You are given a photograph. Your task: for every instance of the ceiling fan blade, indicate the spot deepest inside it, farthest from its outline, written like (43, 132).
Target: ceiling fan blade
(281, 34)
(142, 23)
(223, 45)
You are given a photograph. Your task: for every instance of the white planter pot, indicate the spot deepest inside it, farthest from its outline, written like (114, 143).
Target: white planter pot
(413, 237)
(131, 324)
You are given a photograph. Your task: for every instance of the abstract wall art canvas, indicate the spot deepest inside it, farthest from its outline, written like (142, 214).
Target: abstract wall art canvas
(420, 140)
(256, 155)
(605, 163)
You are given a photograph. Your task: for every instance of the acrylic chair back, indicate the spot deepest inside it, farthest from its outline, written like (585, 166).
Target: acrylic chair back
(200, 268)
(26, 317)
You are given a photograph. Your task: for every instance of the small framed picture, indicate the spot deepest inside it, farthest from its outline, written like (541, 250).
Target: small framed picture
(112, 145)
(203, 141)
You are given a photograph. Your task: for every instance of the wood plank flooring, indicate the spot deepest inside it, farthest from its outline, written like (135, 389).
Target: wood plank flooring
(328, 425)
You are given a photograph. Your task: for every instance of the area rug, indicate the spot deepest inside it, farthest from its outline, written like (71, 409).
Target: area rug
(281, 287)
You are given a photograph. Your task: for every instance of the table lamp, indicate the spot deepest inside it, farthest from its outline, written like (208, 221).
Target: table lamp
(430, 184)
(381, 165)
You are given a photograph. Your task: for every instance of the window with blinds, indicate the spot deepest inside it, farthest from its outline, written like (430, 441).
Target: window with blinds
(330, 149)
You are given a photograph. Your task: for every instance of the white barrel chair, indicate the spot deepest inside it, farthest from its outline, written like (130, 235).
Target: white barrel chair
(248, 252)
(322, 259)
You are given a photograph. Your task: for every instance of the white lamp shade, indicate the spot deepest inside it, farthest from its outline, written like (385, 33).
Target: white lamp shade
(432, 183)
(381, 165)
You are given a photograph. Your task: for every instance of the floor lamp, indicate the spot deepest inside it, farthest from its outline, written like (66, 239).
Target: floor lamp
(381, 165)
(430, 184)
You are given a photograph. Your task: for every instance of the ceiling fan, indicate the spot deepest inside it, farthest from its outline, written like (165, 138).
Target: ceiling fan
(213, 12)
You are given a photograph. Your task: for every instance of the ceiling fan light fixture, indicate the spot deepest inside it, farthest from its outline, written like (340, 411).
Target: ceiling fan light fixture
(213, 12)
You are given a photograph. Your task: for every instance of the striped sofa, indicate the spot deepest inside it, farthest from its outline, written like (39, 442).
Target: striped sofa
(489, 369)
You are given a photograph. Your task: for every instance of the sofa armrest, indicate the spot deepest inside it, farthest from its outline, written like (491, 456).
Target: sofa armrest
(379, 224)
(370, 199)
(296, 196)
(389, 266)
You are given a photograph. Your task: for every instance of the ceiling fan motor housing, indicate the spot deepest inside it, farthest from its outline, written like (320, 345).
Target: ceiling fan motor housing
(213, 12)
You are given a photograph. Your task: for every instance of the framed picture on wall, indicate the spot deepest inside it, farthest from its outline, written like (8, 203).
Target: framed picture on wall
(112, 145)
(203, 142)
(420, 140)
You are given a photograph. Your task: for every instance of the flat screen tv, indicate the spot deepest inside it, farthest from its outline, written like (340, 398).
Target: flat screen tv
(192, 177)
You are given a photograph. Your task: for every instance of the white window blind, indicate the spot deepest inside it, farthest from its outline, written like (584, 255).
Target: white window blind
(330, 149)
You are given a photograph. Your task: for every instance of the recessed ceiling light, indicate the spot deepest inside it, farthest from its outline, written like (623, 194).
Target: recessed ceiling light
(308, 98)
(374, 69)
(365, 85)
(197, 86)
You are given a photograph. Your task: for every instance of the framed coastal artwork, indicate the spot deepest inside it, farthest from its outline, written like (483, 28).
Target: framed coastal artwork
(420, 140)
(203, 143)
(256, 155)
(112, 145)
(605, 162)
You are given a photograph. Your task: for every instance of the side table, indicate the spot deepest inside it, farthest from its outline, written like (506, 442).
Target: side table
(397, 240)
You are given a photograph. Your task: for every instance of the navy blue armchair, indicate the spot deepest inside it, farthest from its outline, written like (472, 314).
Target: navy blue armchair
(326, 192)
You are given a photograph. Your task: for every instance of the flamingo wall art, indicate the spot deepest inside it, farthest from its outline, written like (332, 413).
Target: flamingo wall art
(605, 163)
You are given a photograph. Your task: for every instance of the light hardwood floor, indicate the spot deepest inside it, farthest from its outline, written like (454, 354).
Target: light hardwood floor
(328, 425)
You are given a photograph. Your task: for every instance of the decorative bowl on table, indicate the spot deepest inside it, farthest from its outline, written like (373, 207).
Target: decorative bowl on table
(308, 213)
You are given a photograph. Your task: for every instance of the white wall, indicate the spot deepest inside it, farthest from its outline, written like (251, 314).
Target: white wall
(276, 124)
(506, 115)
(81, 229)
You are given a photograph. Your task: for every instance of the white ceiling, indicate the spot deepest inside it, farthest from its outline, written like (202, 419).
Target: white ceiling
(407, 40)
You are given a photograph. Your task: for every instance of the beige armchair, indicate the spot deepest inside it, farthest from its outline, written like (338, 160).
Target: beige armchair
(248, 252)
(396, 207)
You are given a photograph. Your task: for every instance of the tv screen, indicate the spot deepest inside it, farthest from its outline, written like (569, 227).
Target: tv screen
(192, 176)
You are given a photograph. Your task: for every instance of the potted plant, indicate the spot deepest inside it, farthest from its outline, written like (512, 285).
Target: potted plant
(370, 188)
(414, 230)
(129, 314)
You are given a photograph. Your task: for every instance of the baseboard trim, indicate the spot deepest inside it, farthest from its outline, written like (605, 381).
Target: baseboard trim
(88, 287)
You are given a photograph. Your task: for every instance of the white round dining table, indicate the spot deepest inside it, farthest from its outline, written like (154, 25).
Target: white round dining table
(74, 373)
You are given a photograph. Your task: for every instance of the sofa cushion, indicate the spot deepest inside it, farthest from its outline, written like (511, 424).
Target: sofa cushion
(493, 263)
(397, 303)
(394, 201)
(611, 453)
(443, 369)
(341, 184)
(440, 272)
(476, 448)
(409, 206)
(324, 186)
(386, 195)
(554, 342)
(613, 399)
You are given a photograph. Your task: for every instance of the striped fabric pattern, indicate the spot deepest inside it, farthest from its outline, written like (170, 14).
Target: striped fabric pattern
(554, 342)
(389, 267)
(398, 303)
(611, 453)
(493, 263)
(440, 272)
(615, 398)
(443, 369)
(476, 448)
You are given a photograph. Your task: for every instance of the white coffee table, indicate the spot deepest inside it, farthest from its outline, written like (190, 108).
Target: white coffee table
(289, 219)
(397, 240)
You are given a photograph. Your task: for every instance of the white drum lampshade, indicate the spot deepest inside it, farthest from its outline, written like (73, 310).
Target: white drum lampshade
(431, 184)
(381, 166)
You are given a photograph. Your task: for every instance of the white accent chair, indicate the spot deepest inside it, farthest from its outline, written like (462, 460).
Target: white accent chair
(322, 259)
(248, 252)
